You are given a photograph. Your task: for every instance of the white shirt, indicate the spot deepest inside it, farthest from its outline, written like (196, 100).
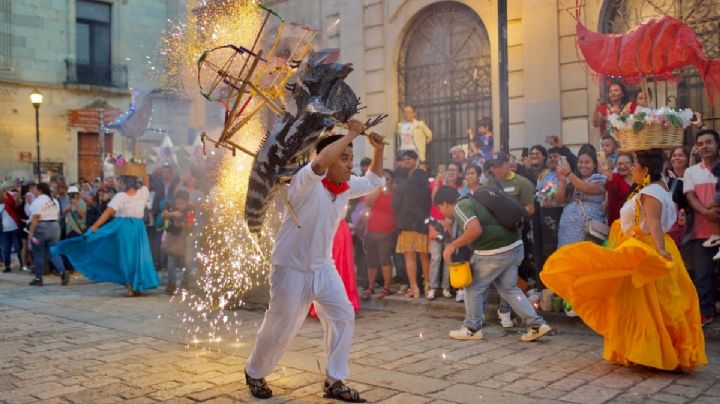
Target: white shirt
(309, 248)
(48, 209)
(407, 142)
(668, 215)
(8, 224)
(130, 206)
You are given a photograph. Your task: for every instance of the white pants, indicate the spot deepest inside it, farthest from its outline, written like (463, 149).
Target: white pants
(291, 293)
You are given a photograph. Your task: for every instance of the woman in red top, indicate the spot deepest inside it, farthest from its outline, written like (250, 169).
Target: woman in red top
(379, 241)
(618, 185)
(615, 103)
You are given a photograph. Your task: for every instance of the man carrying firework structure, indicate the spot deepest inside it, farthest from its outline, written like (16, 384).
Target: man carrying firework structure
(303, 270)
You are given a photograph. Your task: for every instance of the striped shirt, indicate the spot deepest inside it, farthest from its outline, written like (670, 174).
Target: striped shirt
(700, 180)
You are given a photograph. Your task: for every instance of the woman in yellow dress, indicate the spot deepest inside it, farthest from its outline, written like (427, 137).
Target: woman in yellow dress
(635, 292)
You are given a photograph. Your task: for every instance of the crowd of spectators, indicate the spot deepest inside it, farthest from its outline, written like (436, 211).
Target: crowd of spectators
(169, 219)
(560, 189)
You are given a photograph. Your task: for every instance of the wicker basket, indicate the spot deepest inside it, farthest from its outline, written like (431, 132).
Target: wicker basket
(134, 169)
(653, 136)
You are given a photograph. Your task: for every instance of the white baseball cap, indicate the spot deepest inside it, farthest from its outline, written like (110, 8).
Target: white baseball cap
(72, 189)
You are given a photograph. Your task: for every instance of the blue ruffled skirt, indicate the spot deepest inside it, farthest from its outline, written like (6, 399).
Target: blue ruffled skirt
(119, 252)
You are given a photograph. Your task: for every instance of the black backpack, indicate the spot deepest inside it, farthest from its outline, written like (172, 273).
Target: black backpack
(506, 209)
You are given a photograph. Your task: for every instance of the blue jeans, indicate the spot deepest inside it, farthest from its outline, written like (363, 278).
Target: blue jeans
(703, 275)
(501, 271)
(48, 233)
(439, 273)
(10, 239)
(176, 263)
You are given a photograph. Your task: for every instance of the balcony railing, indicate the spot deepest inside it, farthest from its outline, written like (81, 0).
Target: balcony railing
(96, 75)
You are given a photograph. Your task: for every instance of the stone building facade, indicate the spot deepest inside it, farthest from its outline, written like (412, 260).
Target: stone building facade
(441, 56)
(550, 88)
(81, 55)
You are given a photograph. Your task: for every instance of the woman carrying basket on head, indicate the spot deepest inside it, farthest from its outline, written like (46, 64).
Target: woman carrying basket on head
(636, 292)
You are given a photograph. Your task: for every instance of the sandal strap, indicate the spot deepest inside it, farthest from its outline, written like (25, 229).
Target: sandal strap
(342, 391)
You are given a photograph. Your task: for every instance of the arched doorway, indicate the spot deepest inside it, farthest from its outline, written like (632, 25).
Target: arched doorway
(444, 73)
(703, 16)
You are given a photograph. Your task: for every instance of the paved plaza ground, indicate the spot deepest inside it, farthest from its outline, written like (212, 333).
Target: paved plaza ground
(86, 343)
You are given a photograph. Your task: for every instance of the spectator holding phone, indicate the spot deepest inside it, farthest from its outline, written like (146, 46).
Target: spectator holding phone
(616, 102)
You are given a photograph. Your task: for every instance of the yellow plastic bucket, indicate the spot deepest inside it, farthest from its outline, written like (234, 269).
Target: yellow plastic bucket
(460, 274)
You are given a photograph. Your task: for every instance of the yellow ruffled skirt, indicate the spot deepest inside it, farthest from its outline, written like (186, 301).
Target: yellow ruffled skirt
(645, 306)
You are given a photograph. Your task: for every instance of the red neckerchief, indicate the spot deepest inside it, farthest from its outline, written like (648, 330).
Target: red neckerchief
(333, 188)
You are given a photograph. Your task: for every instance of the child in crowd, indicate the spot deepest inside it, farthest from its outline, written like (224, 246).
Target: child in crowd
(180, 216)
(609, 146)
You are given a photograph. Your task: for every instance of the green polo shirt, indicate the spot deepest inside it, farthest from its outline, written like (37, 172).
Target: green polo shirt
(493, 236)
(518, 187)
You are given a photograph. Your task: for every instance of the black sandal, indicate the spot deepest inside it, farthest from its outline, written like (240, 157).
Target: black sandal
(339, 391)
(258, 387)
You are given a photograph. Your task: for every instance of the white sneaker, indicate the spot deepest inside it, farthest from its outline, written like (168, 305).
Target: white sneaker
(505, 319)
(570, 313)
(535, 333)
(446, 293)
(717, 256)
(460, 296)
(464, 333)
(713, 241)
(430, 294)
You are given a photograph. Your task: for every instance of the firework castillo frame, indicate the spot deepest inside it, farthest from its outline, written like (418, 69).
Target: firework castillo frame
(247, 74)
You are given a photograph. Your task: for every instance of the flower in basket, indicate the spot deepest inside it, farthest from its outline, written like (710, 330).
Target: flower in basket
(642, 116)
(136, 160)
(120, 160)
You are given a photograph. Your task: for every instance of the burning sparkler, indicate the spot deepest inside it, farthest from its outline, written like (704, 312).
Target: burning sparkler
(231, 262)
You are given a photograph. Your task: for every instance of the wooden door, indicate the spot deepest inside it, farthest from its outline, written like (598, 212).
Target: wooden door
(89, 154)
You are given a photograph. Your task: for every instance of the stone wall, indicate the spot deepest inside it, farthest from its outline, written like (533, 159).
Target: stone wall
(36, 37)
(550, 90)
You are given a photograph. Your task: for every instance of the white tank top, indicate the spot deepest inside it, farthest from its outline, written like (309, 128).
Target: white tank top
(668, 216)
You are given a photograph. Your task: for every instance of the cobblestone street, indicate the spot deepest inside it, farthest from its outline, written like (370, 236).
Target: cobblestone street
(86, 343)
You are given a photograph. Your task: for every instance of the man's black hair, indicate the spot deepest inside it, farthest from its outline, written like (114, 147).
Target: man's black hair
(711, 132)
(541, 149)
(446, 194)
(366, 161)
(325, 142)
(410, 153)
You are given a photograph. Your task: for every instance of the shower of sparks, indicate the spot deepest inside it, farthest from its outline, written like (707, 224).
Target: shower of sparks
(208, 24)
(230, 261)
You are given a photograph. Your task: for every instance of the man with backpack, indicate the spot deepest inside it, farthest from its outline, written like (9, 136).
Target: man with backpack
(497, 253)
(501, 176)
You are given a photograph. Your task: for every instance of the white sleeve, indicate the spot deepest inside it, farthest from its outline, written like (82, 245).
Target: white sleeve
(302, 184)
(360, 186)
(117, 201)
(34, 208)
(688, 184)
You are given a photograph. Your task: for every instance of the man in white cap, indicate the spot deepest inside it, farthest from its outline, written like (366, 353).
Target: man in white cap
(74, 213)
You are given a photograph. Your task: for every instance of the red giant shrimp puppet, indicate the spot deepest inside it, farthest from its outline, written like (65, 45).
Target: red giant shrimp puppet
(655, 48)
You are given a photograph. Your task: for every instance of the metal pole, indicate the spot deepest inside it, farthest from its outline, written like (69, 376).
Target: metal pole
(101, 135)
(503, 77)
(37, 140)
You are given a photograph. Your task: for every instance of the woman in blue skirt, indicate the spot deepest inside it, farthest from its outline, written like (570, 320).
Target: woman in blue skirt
(117, 251)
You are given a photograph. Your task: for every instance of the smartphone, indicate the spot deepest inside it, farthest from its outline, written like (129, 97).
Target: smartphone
(563, 160)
